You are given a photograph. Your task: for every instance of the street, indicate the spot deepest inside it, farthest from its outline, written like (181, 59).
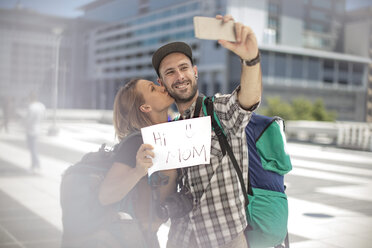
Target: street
(329, 189)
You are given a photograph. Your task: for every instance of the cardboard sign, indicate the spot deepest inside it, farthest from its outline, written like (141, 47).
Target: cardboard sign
(179, 144)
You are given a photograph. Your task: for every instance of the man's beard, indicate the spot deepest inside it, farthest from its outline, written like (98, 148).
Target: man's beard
(180, 99)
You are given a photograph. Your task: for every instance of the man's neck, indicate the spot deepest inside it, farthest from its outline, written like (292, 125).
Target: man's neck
(182, 107)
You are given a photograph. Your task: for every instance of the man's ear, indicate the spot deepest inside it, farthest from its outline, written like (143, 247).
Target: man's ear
(160, 81)
(145, 108)
(195, 70)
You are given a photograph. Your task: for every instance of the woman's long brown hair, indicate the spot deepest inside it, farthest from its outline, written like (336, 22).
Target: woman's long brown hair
(127, 116)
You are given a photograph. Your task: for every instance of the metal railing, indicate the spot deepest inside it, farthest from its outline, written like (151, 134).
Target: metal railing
(352, 135)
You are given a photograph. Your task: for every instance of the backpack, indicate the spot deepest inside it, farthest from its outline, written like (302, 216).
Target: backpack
(266, 203)
(87, 223)
(267, 213)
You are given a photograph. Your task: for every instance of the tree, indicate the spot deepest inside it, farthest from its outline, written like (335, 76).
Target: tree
(298, 109)
(275, 107)
(320, 113)
(302, 109)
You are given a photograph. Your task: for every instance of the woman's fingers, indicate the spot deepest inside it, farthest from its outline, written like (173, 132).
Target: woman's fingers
(144, 157)
(145, 151)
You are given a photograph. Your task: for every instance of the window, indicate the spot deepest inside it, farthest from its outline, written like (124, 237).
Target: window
(326, 4)
(181, 10)
(165, 26)
(265, 63)
(273, 22)
(297, 66)
(342, 66)
(342, 73)
(313, 69)
(328, 67)
(318, 15)
(280, 65)
(357, 74)
(317, 27)
(273, 8)
(358, 68)
(328, 64)
(181, 23)
(313, 41)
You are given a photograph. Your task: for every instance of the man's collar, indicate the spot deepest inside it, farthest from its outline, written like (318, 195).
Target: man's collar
(190, 111)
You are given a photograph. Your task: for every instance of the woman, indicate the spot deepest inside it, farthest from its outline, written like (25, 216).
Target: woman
(138, 104)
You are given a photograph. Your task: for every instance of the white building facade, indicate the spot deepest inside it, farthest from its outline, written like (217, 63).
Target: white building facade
(301, 44)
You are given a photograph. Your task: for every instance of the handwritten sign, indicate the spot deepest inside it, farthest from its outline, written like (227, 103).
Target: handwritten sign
(179, 144)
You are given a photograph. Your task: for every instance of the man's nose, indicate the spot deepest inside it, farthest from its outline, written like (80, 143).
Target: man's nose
(180, 75)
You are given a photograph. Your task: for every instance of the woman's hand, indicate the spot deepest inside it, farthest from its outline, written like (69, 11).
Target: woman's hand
(144, 159)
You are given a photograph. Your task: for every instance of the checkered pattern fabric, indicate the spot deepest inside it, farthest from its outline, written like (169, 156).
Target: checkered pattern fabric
(218, 215)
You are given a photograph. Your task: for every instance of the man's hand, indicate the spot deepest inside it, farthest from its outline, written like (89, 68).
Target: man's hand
(246, 48)
(246, 43)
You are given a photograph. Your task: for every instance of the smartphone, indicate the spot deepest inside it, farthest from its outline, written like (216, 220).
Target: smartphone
(213, 29)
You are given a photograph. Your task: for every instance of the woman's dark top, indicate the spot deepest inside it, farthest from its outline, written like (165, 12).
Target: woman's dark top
(127, 150)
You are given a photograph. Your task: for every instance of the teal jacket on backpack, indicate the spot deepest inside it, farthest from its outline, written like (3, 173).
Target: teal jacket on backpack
(266, 202)
(267, 212)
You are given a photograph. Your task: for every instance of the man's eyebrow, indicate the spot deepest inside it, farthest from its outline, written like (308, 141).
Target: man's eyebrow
(183, 64)
(170, 68)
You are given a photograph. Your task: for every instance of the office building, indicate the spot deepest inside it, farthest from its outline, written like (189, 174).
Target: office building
(43, 54)
(301, 42)
(358, 40)
(28, 51)
(308, 49)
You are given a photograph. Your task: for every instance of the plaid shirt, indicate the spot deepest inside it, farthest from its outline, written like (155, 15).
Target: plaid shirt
(218, 215)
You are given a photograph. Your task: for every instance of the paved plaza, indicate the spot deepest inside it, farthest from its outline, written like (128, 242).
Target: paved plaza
(329, 189)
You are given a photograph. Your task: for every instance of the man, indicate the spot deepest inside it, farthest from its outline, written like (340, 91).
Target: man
(218, 215)
(35, 114)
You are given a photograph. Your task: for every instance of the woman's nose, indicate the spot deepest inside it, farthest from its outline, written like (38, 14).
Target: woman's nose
(161, 88)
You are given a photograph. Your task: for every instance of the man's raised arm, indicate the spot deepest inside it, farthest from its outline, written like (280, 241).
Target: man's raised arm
(247, 49)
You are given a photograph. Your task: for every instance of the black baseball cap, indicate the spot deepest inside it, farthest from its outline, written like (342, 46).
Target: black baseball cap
(174, 47)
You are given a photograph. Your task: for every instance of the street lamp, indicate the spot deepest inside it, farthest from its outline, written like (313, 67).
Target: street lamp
(53, 130)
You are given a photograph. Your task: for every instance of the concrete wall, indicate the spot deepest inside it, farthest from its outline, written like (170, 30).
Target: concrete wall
(357, 38)
(252, 13)
(291, 27)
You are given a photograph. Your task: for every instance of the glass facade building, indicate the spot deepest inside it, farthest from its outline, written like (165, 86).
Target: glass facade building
(301, 43)
(308, 49)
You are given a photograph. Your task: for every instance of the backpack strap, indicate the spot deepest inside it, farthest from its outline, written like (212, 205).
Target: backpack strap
(225, 146)
(198, 106)
(208, 105)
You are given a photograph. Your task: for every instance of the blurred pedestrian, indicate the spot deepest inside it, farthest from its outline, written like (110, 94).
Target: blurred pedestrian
(34, 116)
(6, 109)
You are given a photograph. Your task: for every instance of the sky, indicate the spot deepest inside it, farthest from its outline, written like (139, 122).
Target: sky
(63, 8)
(68, 8)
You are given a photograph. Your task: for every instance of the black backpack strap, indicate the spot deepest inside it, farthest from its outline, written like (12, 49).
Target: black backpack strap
(225, 146)
(198, 106)
(217, 129)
